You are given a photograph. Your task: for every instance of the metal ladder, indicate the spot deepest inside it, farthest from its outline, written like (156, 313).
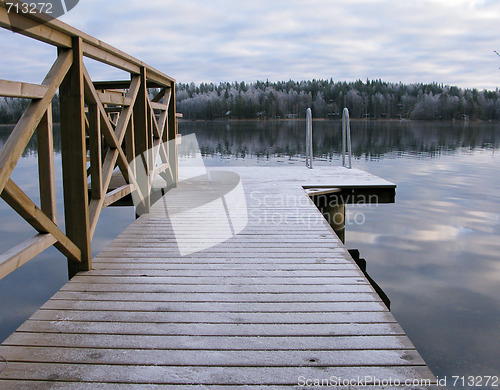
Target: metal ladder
(309, 137)
(346, 139)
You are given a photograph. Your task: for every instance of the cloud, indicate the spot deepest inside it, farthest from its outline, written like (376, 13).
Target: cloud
(444, 41)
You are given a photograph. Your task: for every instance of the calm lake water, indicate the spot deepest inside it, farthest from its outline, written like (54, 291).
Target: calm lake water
(435, 252)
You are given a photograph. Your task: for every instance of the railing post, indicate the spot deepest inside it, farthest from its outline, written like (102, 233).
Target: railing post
(82, 132)
(172, 138)
(142, 139)
(46, 167)
(130, 146)
(94, 118)
(74, 160)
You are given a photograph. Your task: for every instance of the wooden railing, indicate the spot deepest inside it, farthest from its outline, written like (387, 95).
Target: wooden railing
(104, 125)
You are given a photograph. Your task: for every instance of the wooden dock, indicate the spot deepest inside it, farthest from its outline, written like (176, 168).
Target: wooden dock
(269, 300)
(232, 280)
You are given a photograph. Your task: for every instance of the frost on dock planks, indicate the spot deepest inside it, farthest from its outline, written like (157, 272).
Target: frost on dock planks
(234, 280)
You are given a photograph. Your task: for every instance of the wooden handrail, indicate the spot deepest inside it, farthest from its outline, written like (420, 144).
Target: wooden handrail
(59, 34)
(96, 139)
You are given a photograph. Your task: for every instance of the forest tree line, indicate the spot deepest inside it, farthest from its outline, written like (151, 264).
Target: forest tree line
(11, 109)
(370, 99)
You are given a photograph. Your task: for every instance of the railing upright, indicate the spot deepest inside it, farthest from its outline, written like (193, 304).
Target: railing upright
(346, 139)
(309, 145)
(104, 125)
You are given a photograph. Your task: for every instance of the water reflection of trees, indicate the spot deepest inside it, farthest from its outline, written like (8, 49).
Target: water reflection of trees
(32, 147)
(369, 138)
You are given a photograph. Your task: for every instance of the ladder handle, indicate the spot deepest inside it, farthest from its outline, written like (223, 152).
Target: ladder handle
(346, 139)
(309, 144)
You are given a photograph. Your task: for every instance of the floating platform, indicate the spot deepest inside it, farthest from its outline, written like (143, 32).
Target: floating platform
(234, 280)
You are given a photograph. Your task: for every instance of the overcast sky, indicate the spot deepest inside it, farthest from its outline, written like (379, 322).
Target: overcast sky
(446, 41)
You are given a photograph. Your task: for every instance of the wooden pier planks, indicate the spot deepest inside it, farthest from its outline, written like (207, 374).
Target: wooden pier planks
(282, 299)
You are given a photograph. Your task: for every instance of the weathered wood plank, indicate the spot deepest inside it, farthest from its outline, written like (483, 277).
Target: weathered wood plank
(96, 205)
(126, 114)
(95, 145)
(277, 299)
(171, 266)
(170, 135)
(240, 307)
(159, 106)
(27, 209)
(15, 257)
(108, 57)
(33, 28)
(231, 343)
(206, 288)
(123, 84)
(215, 317)
(22, 90)
(257, 261)
(161, 168)
(220, 280)
(25, 127)
(137, 328)
(117, 194)
(115, 154)
(52, 385)
(156, 131)
(245, 237)
(217, 297)
(213, 358)
(74, 152)
(160, 238)
(248, 231)
(59, 34)
(130, 146)
(142, 129)
(114, 98)
(107, 129)
(223, 254)
(249, 246)
(223, 273)
(46, 166)
(202, 375)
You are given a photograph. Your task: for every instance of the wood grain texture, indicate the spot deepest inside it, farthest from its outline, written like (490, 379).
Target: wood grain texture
(46, 166)
(73, 153)
(25, 127)
(85, 124)
(255, 309)
(22, 90)
(40, 385)
(15, 257)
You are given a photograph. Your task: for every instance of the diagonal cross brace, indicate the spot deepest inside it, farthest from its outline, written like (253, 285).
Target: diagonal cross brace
(20, 136)
(27, 209)
(108, 130)
(117, 136)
